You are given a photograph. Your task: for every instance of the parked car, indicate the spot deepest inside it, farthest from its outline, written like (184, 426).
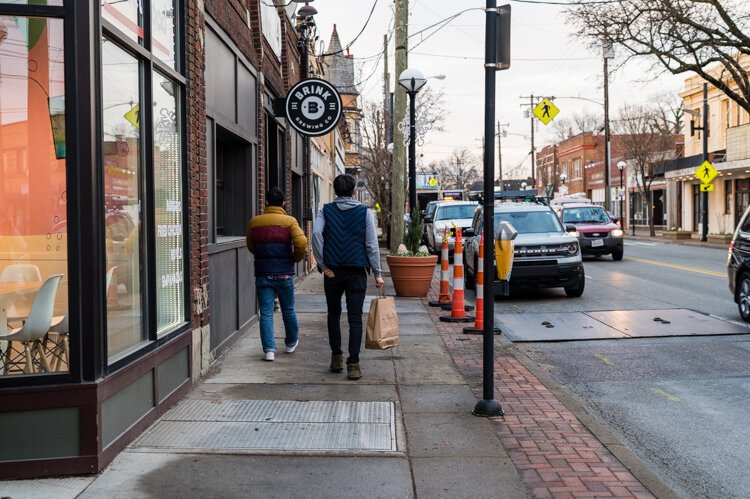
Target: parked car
(427, 219)
(546, 254)
(598, 234)
(449, 214)
(738, 266)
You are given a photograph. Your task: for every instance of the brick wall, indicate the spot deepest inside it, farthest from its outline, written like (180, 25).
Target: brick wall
(197, 166)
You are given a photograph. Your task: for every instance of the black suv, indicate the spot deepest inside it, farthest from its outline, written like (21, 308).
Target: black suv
(738, 266)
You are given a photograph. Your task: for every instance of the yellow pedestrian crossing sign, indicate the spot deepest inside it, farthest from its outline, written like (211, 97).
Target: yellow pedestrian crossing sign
(545, 111)
(134, 116)
(707, 187)
(706, 173)
(432, 182)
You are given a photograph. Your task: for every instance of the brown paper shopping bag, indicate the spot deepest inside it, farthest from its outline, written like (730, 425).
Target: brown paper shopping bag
(382, 324)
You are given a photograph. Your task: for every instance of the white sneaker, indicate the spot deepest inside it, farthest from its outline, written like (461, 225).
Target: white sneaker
(292, 348)
(269, 356)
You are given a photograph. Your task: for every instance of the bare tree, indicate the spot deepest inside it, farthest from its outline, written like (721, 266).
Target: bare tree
(577, 124)
(376, 165)
(377, 161)
(459, 170)
(708, 37)
(646, 146)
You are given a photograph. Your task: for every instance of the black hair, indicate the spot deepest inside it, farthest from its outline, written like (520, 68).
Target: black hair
(344, 185)
(275, 197)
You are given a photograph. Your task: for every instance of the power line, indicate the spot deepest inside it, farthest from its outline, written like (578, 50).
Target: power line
(358, 34)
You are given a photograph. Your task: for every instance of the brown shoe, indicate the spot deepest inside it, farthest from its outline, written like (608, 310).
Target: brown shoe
(353, 371)
(337, 363)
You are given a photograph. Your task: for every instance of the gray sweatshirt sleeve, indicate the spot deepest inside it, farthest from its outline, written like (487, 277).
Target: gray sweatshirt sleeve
(371, 245)
(317, 239)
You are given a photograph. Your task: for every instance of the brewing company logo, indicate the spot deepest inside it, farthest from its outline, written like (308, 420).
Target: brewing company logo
(313, 107)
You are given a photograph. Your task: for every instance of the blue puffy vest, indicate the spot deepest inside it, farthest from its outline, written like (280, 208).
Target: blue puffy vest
(344, 235)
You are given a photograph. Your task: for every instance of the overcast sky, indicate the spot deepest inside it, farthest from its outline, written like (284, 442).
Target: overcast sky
(546, 61)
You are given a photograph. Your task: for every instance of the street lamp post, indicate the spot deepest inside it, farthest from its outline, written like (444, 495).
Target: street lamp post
(412, 80)
(305, 24)
(621, 166)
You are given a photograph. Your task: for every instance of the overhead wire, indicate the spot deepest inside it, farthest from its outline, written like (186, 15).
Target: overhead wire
(375, 3)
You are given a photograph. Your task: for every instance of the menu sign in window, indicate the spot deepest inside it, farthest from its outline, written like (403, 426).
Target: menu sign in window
(170, 242)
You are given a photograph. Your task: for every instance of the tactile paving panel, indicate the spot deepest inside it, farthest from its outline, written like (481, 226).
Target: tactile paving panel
(275, 425)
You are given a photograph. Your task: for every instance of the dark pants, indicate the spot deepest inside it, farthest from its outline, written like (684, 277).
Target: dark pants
(353, 283)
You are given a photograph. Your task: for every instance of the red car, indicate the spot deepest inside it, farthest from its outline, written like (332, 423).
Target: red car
(598, 234)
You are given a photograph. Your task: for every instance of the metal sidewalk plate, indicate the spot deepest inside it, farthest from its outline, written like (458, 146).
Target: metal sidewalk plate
(575, 326)
(564, 326)
(280, 425)
(671, 322)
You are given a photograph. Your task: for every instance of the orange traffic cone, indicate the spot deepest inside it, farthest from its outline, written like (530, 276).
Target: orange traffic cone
(445, 293)
(458, 313)
(479, 322)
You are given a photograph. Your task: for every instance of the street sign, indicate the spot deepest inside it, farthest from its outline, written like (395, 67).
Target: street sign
(707, 187)
(545, 111)
(134, 116)
(313, 107)
(706, 173)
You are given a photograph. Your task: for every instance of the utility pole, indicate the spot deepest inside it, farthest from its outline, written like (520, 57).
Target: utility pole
(398, 191)
(607, 50)
(532, 104)
(500, 131)
(387, 135)
(704, 131)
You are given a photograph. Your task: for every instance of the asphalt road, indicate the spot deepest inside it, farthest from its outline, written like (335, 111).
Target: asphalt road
(680, 404)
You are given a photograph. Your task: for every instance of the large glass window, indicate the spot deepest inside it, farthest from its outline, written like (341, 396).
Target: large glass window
(121, 119)
(170, 306)
(33, 207)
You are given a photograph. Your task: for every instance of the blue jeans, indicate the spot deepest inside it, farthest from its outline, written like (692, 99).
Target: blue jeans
(268, 289)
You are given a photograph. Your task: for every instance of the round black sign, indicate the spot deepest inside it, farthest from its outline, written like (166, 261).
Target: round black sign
(313, 107)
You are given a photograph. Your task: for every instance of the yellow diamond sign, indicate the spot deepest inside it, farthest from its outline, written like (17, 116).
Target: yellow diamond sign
(545, 111)
(134, 116)
(706, 173)
(707, 187)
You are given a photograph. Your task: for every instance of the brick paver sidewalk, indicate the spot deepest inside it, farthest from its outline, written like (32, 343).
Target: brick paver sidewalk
(554, 453)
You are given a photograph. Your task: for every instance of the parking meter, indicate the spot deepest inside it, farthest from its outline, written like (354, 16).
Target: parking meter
(505, 233)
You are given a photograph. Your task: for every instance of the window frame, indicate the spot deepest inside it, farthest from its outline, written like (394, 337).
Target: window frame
(149, 63)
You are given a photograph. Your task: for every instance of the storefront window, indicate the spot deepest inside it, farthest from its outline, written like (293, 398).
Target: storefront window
(170, 306)
(125, 15)
(121, 119)
(33, 212)
(163, 30)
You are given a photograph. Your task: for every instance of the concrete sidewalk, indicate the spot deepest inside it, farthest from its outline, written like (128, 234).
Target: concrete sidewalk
(291, 428)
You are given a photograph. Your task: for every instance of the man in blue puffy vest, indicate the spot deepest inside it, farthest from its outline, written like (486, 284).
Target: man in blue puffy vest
(345, 245)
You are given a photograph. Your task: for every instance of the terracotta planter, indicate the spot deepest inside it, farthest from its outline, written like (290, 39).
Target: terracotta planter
(412, 275)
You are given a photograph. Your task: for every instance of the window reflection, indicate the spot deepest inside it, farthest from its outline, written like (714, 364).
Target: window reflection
(163, 30)
(33, 229)
(125, 15)
(122, 166)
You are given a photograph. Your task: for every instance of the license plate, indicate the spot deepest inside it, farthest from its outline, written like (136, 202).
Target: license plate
(596, 243)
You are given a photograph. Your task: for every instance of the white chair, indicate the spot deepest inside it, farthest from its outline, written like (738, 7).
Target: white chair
(34, 330)
(20, 272)
(60, 327)
(19, 303)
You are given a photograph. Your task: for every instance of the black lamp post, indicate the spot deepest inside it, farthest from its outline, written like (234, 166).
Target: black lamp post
(412, 80)
(621, 166)
(305, 25)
